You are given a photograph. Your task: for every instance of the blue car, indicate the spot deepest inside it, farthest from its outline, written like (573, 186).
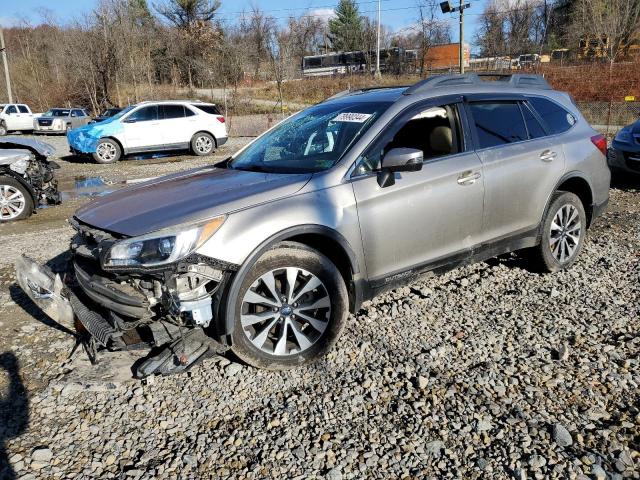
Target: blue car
(624, 154)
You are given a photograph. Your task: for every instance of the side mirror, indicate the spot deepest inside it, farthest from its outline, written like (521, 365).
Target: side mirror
(399, 160)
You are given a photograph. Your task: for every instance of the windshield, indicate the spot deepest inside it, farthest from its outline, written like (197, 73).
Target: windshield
(311, 141)
(122, 112)
(57, 112)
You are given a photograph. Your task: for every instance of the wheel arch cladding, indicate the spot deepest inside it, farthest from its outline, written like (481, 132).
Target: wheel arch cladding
(580, 187)
(325, 240)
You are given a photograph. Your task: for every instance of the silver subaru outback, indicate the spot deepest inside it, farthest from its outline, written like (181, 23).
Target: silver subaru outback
(267, 252)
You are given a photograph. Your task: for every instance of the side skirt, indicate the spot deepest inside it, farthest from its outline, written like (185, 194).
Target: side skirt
(478, 253)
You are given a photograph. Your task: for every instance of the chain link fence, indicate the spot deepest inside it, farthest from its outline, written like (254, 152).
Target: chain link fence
(609, 117)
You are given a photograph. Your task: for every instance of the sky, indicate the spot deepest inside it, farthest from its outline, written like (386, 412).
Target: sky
(396, 14)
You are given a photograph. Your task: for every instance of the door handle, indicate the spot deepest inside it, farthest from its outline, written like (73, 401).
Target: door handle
(548, 156)
(468, 178)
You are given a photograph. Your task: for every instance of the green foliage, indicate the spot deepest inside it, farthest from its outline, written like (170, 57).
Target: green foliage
(184, 13)
(346, 29)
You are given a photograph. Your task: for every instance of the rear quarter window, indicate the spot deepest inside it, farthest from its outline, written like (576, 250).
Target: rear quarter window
(556, 118)
(210, 109)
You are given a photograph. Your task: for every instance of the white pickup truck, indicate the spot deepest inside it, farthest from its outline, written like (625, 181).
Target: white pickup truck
(15, 116)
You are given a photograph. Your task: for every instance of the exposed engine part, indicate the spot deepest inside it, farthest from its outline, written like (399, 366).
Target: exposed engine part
(191, 293)
(177, 356)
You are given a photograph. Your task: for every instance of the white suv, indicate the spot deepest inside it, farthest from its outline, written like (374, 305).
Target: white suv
(152, 127)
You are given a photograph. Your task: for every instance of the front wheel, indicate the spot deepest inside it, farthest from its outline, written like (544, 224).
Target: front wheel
(202, 144)
(107, 151)
(291, 308)
(563, 232)
(16, 202)
(3, 129)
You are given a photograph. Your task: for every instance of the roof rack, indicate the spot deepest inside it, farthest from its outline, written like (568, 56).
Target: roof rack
(516, 80)
(361, 90)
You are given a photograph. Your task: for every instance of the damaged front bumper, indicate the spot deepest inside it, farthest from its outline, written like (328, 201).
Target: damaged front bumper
(169, 310)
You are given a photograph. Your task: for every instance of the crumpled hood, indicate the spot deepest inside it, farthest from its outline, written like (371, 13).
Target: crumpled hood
(7, 157)
(191, 196)
(36, 147)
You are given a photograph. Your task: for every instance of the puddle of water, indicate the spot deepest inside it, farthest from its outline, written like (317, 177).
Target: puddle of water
(90, 187)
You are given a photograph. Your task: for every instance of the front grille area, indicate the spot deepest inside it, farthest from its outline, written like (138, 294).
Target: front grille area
(45, 122)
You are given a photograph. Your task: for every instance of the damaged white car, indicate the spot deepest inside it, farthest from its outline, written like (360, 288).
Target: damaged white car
(26, 177)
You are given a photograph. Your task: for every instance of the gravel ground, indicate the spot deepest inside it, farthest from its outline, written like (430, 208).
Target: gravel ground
(488, 371)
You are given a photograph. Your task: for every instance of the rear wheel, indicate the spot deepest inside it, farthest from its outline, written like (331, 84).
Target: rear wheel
(202, 144)
(16, 202)
(563, 233)
(107, 151)
(291, 308)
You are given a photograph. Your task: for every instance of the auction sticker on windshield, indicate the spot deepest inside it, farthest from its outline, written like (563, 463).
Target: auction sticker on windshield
(352, 117)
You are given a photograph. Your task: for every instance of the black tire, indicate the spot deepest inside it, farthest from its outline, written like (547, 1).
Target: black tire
(109, 153)
(28, 206)
(543, 257)
(3, 129)
(290, 254)
(202, 144)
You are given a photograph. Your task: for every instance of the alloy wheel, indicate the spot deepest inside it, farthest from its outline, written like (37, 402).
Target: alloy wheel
(285, 311)
(203, 144)
(106, 151)
(12, 202)
(565, 233)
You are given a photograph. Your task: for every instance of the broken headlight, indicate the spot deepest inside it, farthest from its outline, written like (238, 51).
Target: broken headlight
(161, 248)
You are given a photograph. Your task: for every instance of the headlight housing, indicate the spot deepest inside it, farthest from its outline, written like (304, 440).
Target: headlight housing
(623, 135)
(161, 248)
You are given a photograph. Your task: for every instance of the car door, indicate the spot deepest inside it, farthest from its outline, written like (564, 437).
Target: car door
(13, 118)
(142, 129)
(26, 117)
(426, 216)
(173, 125)
(520, 162)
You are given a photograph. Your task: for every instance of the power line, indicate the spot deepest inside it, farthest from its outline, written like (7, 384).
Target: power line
(313, 7)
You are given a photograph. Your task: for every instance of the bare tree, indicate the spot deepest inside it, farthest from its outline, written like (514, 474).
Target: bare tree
(431, 31)
(612, 24)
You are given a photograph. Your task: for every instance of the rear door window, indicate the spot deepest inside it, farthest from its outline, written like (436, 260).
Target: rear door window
(210, 109)
(23, 109)
(498, 123)
(145, 114)
(557, 119)
(533, 125)
(169, 112)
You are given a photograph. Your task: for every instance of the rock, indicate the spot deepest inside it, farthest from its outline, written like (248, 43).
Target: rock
(334, 474)
(41, 455)
(483, 425)
(563, 352)
(434, 447)
(422, 382)
(536, 462)
(561, 435)
(232, 369)
(598, 472)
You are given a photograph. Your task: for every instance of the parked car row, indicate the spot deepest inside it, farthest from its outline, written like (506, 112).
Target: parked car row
(266, 252)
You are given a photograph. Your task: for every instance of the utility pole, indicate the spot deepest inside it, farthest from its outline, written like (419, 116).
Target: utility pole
(446, 7)
(378, 74)
(3, 50)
